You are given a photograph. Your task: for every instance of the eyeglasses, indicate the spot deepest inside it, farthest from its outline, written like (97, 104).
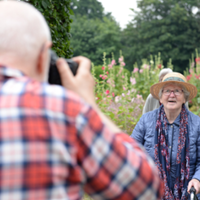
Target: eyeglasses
(176, 92)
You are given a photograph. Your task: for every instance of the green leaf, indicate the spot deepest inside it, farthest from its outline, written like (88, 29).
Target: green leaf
(44, 4)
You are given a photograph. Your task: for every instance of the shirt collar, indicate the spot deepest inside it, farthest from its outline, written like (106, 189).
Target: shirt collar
(10, 72)
(177, 120)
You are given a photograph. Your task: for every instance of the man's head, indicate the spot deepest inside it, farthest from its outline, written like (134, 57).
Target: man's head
(24, 39)
(163, 72)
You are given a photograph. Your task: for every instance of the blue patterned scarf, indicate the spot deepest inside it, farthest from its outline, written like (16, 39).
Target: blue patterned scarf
(162, 158)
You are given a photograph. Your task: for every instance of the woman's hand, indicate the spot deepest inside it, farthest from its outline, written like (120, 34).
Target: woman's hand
(196, 184)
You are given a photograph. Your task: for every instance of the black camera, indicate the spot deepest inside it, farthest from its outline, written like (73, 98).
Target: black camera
(54, 76)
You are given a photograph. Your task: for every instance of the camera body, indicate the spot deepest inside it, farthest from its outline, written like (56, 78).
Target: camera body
(54, 76)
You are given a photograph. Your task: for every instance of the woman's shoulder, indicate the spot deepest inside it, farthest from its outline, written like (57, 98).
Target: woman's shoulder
(151, 114)
(193, 117)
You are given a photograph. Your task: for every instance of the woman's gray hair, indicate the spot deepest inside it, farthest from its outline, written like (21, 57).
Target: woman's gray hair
(164, 72)
(185, 91)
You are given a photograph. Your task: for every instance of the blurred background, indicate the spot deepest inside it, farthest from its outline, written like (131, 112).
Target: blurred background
(139, 28)
(128, 42)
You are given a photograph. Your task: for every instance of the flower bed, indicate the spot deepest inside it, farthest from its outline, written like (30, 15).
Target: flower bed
(120, 94)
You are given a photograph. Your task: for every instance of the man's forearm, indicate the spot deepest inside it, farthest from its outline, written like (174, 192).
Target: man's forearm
(106, 120)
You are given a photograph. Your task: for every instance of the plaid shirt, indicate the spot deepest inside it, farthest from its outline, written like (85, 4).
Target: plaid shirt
(54, 146)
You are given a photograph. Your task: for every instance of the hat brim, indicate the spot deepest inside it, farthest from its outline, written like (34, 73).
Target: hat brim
(155, 89)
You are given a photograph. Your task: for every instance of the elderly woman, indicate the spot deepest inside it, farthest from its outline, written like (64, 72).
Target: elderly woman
(171, 136)
(151, 103)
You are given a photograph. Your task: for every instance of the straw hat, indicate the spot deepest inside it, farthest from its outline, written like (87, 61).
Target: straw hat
(173, 77)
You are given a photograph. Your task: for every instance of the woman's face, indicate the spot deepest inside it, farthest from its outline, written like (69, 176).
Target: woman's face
(172, 97)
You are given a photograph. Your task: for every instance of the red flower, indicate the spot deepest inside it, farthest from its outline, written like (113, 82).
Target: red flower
(197, 76)
(189, 77)
(159, 66)
(107, 91)
(103, 68)
(197, 60)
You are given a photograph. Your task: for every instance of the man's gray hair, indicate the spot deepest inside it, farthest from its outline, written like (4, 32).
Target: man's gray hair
(164, 72)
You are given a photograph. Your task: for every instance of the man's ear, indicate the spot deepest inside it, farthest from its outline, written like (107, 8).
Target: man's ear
(43, 58)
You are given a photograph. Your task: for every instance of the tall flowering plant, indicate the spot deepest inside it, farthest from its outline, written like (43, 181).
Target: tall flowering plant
(192, 75)
(120, 94)
(116, 95)
(147, 74)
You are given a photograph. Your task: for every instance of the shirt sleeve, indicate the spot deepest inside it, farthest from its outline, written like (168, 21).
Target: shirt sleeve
(147, 105)
(114, 165)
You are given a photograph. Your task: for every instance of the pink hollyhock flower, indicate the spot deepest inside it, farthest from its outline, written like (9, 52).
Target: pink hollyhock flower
(141, 70)
(107, 72)
(191, 71)
(123, 94)
(103, 77)
(108, 81)
(132, 100)
(107, 92)
(192, 65)
(100, 75)
(103, 68)
(145, 66)
(122, 76)
(120, 71)
(139, 96)
(113, 94)
(117, 99)
(133, 81)
(133, 90)
(113, 62)
(123, 64)
(128, 92)
(135, 70)
(110, 66)
(120, 59)
(124, 88)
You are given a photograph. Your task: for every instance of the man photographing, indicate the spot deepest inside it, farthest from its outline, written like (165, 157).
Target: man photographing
(55, 143)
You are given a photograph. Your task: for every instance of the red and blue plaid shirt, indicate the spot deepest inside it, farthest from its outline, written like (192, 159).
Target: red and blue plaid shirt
(54, 146)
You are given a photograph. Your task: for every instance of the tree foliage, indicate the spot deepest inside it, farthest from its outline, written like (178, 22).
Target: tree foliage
(93, 37)
(58, 15)
(167, 26)
(93, 31)
(91, 8)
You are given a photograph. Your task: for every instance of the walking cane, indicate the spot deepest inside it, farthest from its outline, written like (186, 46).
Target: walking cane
(193, 195)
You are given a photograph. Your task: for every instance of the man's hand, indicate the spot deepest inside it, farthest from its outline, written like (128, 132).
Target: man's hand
(82, 83)
(196, 184)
